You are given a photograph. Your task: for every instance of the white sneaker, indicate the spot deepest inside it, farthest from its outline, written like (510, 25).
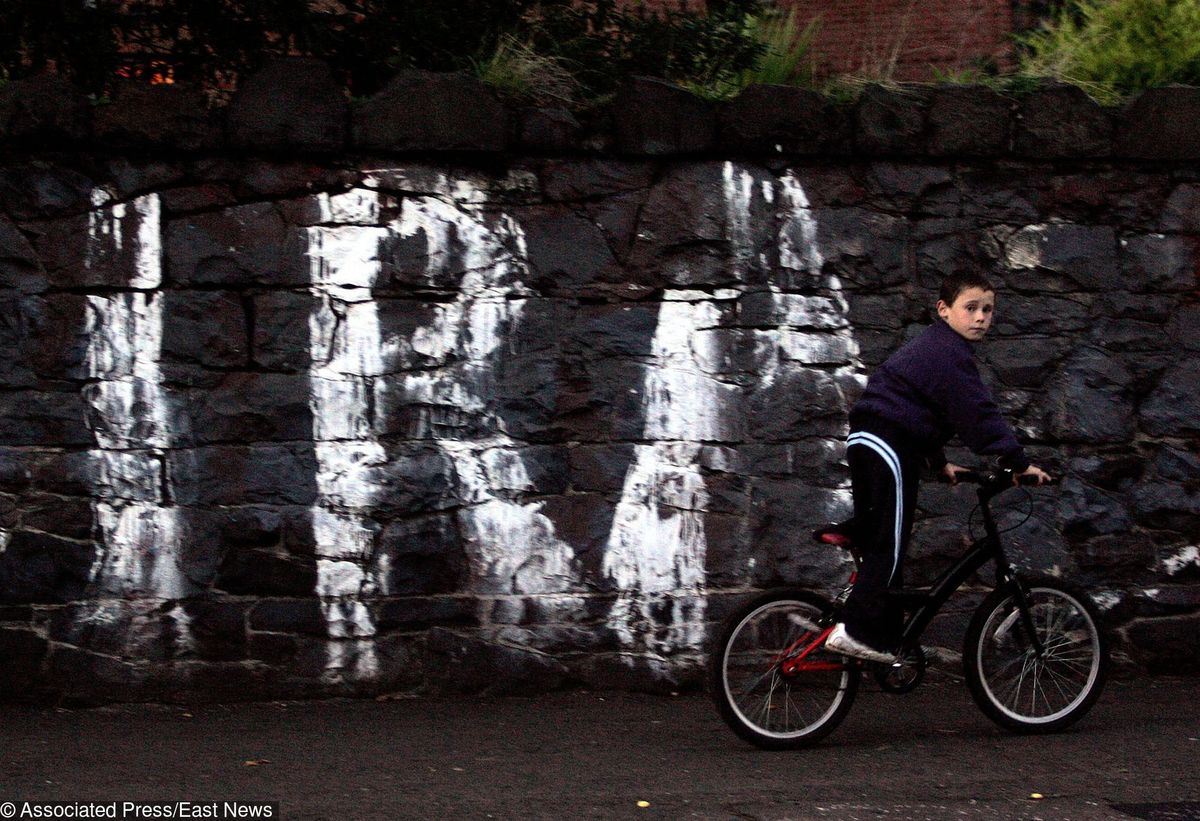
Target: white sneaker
(840, 641)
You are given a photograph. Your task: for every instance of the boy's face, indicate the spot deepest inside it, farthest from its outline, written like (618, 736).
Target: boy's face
(971, 314)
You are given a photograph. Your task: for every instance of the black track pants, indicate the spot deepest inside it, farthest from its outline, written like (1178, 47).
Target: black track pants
(883, 476)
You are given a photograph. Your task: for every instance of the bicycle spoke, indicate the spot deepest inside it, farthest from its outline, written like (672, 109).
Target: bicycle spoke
(1038, 688)
(773, 695)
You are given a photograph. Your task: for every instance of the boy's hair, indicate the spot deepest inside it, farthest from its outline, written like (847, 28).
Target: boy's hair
(956, 283)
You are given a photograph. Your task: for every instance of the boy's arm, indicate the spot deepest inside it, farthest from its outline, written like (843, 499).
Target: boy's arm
(975, 416)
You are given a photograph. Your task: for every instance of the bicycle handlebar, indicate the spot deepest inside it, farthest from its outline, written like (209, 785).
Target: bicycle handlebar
(995, 481)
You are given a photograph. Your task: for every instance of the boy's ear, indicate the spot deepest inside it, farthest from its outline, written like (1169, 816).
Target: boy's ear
(942, 308)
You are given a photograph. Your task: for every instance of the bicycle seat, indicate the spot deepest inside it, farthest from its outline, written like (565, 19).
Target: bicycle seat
(837, 535)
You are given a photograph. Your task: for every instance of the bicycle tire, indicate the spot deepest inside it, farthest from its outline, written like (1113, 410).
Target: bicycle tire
(763, 704)
(1012, 686)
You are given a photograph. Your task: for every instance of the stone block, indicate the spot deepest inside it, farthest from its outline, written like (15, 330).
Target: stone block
(69, 517)
(565, 180)
(620, 330)
(54, 337)
(565, 251)
(83, 678)
(863, 248)
(418, 478)
(1173, 409)
(114, 246)
(459, 663)
(52, 418)
(917, 189)
(1089, 400)
(44, 110)
(420, 613)
(1160, 124)
(1018, 314)
(1067, 257)
(1169, 645)
(172, 116)
(1024, 362)
(301, 617)
(771, 120)
(259, 571)
(20, 267)
(1113, 471)
(1086, 511)
(248, 407)
(1169, 601)
(217, 629)
(1168, 506)
(653, 117)
(600, 468)
(794, 311)
(292, 104)
(218, 681)
(625, 671)
(206, 328)
(1114, 554)
(428, 111)
(891, 122)
(969, 121)
(420, 556)
(39, 568)
(991, 195)
(1061, 120)
(188, 199)
(280, 474)
(1178, 465)
(585, 522)
(782, 515)
(1182, 210)
(15, 371)
(551, 130)
(281, 336)
(239, 246)
(1154, 263)
(277, 649)
(34, 192)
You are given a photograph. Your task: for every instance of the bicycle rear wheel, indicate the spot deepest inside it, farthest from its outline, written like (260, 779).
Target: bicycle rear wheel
(1011, 683)
(772, 680)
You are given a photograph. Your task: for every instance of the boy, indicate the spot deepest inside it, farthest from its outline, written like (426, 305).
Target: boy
(923, 394)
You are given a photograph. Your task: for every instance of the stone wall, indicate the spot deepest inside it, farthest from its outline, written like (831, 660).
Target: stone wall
(307, 397)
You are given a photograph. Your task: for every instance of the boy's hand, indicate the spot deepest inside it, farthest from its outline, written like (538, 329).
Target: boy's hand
(1033, 470)
(951, 471)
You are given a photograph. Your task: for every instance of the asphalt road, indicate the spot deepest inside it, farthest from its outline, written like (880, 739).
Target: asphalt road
(929, 754)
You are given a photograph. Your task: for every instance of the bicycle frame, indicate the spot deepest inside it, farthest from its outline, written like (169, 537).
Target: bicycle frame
(923, 605)
(929, 603)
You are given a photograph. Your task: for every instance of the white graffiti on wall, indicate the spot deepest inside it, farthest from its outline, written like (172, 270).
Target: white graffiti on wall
(128, 412)
(348, 352)
(656, 549)
(512, 546)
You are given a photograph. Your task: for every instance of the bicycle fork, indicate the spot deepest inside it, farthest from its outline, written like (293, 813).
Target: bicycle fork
(1006, 577)
(1024, 613)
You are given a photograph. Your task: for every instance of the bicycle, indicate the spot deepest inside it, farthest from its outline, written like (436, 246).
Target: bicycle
(1034, 657)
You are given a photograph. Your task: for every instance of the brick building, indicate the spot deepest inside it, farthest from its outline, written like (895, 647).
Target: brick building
(909, 39)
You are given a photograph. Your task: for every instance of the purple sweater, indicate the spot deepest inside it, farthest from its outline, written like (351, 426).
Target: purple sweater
(930, 390)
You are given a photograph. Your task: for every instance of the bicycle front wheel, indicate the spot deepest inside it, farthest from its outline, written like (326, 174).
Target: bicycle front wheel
(1012, 683)
(772, 680)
